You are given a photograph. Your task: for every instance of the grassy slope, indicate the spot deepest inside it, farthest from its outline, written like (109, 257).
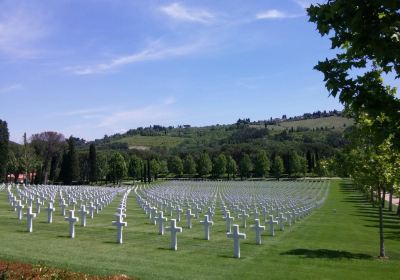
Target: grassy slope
(151, 141)
(326, 245)
(337, 122)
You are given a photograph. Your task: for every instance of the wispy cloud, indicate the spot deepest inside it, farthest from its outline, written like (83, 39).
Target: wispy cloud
(137, 117)
(20, 31)
(275, 14)
(181, 13)
(9, 88)
(155, 52)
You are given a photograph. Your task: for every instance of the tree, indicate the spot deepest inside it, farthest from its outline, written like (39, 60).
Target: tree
(261, 164)
(231, 167)
(92, 163)
(155, 168)
(245, 166)
(189, 165)
(175, 165)
(219, 166)
(72, 163)
(135, 167)
(294, 164)
(4, 139)
(204, 165)
(101, 166)
(366, 35)
(46, 145)
(303, 166)
(277, 167)
(117, 168)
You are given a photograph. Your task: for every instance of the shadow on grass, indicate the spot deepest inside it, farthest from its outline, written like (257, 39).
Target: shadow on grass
(326, 254)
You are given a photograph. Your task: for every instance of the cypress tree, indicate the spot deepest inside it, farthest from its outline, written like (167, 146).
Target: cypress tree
(92, 163)
(4, 139)
(72, 170)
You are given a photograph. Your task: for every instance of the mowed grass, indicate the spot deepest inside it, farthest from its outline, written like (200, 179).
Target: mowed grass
(339, 123)
(142, 142)
(328, 244)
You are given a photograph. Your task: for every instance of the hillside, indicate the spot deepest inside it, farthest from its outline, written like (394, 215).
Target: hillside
(185, 137)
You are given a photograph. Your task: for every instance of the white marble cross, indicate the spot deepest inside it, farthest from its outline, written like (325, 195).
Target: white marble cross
(120, 224)
(210, 213)
(174, 230)
(38, 203)
(236, 236)
(63, 207)
(189, 217)
(160, 220)
(19, 208)
(282, 220)
(91, 210)
(178, 211)
(244, 217)
(83, 214)
(271, 223)
(229, 220)
(29, 219)
(50, 209)
(72, 220)
(258, 229)
(207, 225)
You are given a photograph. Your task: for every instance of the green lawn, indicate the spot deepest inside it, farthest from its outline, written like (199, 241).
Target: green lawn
(328, 244)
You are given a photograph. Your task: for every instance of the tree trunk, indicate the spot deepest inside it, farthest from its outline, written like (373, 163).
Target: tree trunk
(383, 197)
(372, 195)
(391, 200)
(398, 208)
(381, 236)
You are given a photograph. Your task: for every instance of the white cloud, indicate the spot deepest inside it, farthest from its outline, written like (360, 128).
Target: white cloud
(179, 12)
(274, 14)
(20, 30)
(149, 54)
(9, 88)
(137, 117)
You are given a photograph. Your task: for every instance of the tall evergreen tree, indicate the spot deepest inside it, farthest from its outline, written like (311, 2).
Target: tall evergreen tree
(4, 139)
(92, 163)
(72, 169)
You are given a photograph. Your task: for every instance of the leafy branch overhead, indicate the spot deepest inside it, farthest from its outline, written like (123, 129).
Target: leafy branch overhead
(366, 35)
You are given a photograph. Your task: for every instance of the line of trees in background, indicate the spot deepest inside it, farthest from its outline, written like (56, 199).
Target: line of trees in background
(50, 158)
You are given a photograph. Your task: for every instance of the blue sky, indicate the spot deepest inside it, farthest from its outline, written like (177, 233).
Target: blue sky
(95, 67)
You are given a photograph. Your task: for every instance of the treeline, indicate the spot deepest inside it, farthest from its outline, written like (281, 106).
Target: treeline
(48, 157)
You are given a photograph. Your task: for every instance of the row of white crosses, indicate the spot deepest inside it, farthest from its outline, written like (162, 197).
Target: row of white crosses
(288, 202)
(120, 215)
(69, 196)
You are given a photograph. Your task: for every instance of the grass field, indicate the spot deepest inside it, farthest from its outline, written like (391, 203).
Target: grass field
(339, 123)
(328, 244)
(143, 142)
